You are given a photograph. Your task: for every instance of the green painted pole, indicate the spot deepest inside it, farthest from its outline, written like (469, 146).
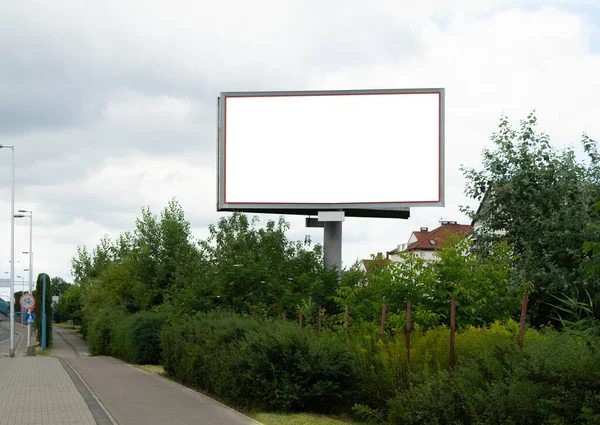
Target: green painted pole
(44, 311)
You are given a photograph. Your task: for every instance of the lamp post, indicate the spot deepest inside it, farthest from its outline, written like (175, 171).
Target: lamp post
(12, 253)
(27, 213)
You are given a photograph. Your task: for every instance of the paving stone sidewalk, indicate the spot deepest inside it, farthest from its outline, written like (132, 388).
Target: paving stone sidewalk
(39, 391)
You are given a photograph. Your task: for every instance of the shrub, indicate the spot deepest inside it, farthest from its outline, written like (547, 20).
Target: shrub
(261, 364)
(283, 367)
(193, 346)
(554, 379)
(137, 338)
(100, 331)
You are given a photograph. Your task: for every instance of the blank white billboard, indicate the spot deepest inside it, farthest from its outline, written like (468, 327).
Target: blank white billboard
(331, 150)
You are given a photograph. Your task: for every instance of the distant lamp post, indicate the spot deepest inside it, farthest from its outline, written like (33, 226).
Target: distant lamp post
(12, 253)
(24, 214)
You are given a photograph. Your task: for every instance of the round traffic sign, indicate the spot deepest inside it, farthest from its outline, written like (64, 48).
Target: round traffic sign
(27, 301)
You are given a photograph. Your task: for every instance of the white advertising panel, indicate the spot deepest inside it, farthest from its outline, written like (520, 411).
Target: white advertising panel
(373, 149)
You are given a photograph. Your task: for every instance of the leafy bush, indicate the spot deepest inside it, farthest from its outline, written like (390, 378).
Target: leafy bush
(555, 379)
(101, 331)
(137, 338)
(261, 364)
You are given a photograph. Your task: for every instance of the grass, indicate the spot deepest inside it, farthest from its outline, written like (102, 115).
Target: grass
(156, 369)
(270, 418)
(298, 419)
(43, 353)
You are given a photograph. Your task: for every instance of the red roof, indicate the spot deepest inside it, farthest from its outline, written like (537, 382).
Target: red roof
(379, 261)
(439, 236)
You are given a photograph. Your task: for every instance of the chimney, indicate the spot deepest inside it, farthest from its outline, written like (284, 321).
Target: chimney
(424, 229)
(379, 255)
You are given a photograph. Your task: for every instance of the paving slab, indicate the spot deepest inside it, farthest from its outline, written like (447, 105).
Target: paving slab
(39, 391)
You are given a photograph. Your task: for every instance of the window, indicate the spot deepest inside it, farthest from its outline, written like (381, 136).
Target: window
(431, 241)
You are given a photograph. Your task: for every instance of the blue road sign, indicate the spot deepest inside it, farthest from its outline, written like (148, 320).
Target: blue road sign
(30, 318)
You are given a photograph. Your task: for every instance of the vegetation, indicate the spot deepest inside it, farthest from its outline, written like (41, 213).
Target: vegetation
(38, 294)
(540, 200)
(211, 311)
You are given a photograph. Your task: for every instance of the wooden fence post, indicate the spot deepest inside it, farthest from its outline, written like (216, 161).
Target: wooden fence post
(383, 311)
(300, 317)
(522, 321)
(452, 330)
(346, 318)
(408, 329)
(320, 317)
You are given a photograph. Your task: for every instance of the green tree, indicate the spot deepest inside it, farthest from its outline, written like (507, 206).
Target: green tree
(258, 270)
(69, 305)
(539, 199)
(38, 294)
(481, 285)
(59, 286)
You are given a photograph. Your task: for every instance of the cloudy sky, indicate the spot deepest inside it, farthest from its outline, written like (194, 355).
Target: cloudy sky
(112, 104)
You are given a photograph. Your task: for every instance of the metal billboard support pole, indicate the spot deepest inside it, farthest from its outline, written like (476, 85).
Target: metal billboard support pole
(332, 244)
(331, 221)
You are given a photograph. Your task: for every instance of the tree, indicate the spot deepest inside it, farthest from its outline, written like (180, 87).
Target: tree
(539, 199)
(69, 305)
(59, 286)
(481, 285)
(38, 294)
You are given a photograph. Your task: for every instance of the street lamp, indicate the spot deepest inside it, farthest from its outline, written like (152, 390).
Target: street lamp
(12, 253)
(27, 213)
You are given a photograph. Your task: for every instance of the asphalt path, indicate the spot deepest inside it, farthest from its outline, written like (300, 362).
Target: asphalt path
(5, 337)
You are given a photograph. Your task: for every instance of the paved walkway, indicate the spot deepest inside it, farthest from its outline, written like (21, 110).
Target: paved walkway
(73, 388)
(136, 397)
(37, 390)
(66, 344)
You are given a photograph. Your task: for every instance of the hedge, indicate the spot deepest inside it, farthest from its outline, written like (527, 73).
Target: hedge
(261, 364)
(137, 338)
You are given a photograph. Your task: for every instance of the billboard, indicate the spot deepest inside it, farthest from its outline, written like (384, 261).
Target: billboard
(367, 152)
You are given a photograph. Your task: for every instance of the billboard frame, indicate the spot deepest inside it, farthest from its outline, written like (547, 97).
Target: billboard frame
(366, 209)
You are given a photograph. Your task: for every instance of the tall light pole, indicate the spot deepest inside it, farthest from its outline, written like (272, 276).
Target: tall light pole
(27, 213)
(12, 253)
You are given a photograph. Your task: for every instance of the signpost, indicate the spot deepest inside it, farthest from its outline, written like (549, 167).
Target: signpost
(27, 301)
(30, 317)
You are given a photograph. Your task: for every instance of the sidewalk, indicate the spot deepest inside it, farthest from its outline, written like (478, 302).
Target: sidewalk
(37, 390)
(76, 389)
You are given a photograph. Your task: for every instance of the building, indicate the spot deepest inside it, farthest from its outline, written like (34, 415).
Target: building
(423, 242)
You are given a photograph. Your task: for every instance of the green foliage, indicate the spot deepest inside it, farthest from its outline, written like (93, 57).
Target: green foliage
(539, 199)
(555, 379)
(59, 286)
(137, 338)
(581, 314)
(37, 293)
(69, 305)
(482, 285)
(260, 364)
(100, 333)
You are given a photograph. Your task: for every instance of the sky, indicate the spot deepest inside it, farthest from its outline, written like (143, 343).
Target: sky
(112, 105)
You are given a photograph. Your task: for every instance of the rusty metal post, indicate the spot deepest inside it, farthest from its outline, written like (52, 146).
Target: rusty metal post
(522, 322)
(300, 317)
(320, 317)
(346, 318)
(452, 330)
(383, 311)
